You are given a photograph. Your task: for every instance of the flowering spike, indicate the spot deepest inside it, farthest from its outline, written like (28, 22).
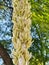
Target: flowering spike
(21, 32)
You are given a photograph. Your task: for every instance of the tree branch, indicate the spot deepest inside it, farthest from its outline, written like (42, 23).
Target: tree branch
(6, 58)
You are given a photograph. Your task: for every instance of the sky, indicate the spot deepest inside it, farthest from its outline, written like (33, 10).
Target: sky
(5, 27)
(1, 61)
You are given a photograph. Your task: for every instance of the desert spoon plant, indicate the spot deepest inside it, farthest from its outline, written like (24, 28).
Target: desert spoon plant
(21, 39)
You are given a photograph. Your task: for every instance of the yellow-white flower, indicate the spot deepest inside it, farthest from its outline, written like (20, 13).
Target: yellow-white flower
(21, 39)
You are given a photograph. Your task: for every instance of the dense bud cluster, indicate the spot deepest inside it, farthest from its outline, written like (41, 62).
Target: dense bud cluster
(21, 39)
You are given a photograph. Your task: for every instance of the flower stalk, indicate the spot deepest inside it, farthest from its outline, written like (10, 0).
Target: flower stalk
(21, 39)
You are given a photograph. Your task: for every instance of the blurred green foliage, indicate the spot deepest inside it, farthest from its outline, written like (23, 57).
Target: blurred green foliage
(40, 32)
